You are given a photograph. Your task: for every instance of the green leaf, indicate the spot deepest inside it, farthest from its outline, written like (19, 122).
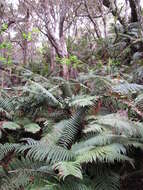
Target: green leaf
(32, 127)
(10, 125)
(4, 27)
(24, 35)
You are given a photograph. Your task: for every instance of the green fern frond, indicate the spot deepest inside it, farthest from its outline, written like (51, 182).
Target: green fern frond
(38, 89)
(82, 101)
(8, 104)
(41, 151)
(7, 148)
(72, 129)
(104, 154)
(54, 131)
(21, 172)
(100, 140)
(93, 128)
(139, 102)
(127, 88)
(108, 181)
(117, 124)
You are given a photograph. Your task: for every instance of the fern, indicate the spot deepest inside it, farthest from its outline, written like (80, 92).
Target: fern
(139, 102)
(82, 101)
(72, 129)
(37, 89)
(105, 154)
(79, 147)
(24, 170)
(126, 88)
(7, 148)
(109, 181)
(42, 151)
(8, 104)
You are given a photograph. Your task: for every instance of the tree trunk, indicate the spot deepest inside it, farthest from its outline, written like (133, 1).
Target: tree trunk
(64, 54)
(53, 58)
(24, 49)
(136, 14)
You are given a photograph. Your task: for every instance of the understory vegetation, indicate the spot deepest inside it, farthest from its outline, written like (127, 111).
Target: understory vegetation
(81, 134)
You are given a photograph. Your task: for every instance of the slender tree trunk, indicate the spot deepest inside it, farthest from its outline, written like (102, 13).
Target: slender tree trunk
(136, 14)
(24, 49)
(53, 58)
(64, 55)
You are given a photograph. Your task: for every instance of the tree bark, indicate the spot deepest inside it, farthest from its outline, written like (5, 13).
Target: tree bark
(24, 49)
(136, 14)
(53, 58)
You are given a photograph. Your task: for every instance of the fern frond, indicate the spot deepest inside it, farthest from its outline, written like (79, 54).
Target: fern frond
(72, 129)
(37, 89)
(82, 101)
(21, 172)
(7, 148)
(139, 102)
(100, 140)
(127, 88)
(117, 124)
(54, 131)
(41, 151)
(93, 128)
(8, 104)
(108, 181)
(104, 154)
